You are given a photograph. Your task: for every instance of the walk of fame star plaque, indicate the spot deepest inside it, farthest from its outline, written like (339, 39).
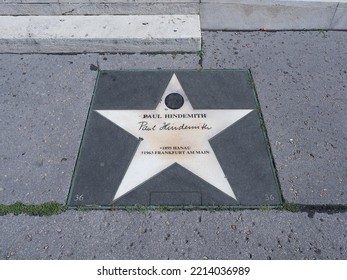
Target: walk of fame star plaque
(174, 138)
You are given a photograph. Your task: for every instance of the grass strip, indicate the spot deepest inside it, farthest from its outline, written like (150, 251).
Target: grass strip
(45, 209)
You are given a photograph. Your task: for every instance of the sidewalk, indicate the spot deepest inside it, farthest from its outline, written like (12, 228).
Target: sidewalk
(300, 78)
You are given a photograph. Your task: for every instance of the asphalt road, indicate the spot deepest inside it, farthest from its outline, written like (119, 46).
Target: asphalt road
(301, 82)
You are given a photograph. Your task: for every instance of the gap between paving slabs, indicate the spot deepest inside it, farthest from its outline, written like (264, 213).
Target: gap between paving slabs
(54, 208)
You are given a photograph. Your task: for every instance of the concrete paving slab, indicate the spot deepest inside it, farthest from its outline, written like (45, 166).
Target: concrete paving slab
(38, 9)
(175, 235)
(302, 92)
(272, 15)
(29, 1)
(126, 8)
(45, 104)
(79, 34)
(126, 1)
(93, 7)
(340, 19)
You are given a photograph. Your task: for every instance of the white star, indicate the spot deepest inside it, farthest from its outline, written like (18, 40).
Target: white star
(171, 136)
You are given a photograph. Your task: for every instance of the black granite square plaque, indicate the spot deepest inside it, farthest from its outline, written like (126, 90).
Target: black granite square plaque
(174, 138)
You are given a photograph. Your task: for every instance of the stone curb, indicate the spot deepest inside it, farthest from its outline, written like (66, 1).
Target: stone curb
(80, 34)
